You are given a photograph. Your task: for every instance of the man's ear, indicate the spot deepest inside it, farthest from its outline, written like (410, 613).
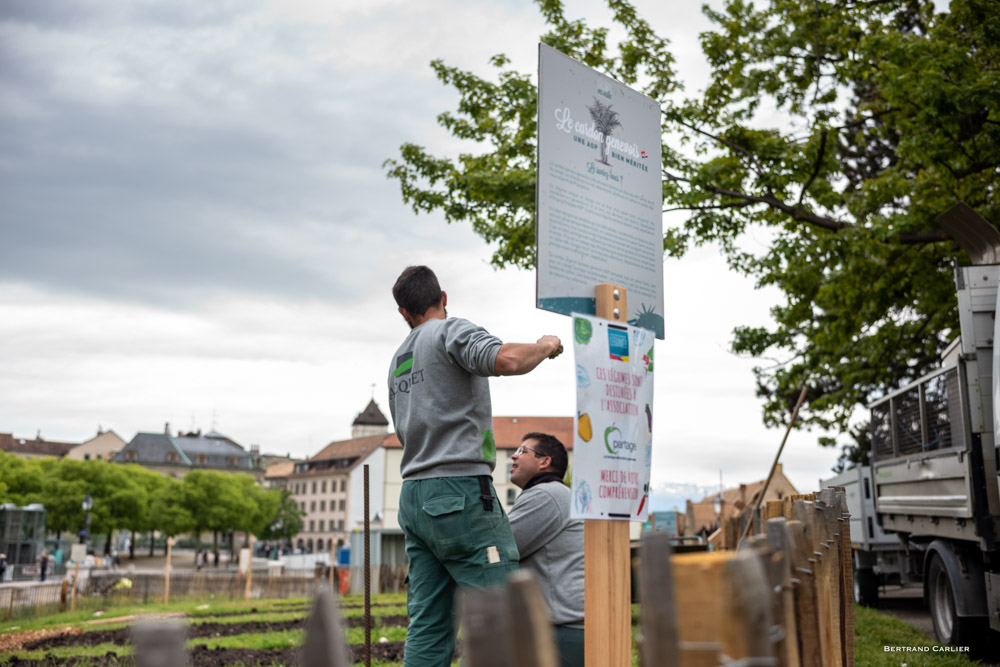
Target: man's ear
(406, 315)
(444, 299)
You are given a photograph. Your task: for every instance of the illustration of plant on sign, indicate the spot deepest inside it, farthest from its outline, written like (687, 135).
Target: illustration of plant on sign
(605, 121)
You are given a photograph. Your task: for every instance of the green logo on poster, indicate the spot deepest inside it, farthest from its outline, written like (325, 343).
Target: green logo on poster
(583, 330)
(607, 432)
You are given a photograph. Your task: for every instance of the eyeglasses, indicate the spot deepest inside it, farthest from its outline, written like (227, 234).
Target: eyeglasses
(522, 449)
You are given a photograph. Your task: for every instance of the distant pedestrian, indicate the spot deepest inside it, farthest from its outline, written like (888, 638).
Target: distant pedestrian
(43, 563)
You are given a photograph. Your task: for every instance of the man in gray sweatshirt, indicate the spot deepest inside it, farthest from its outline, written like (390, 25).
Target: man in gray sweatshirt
(456, 531)
(550, 543)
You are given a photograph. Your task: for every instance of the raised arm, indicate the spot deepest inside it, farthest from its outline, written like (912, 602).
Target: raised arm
(521, 358)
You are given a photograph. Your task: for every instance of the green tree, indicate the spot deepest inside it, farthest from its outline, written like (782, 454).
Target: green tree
(21, 479)
(889, 114)
(286, 522)
(169, 514)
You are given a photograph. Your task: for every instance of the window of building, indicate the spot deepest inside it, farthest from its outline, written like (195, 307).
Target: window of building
(510, 469)
(312, 525)
(343, 485)
(340, 525)
(323, 487)
(322, 506)
(231, 461)
(86, 457)
(340, 505)
(202, 460)
(131, 456)
(321, 525)
(302, 506)
(171, 457)
(312, 506)
(98, 457)
(511, 495)
(314, 487)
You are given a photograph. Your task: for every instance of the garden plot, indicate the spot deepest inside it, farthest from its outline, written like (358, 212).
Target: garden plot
(264, 634)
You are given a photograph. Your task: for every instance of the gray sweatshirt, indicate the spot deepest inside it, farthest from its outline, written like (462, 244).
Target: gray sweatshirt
(551, 546)
(439, 398)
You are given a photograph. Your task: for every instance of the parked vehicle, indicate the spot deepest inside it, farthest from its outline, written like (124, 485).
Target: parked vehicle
(927, 511)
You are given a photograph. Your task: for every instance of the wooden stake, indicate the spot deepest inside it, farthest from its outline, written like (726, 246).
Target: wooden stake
(246, 592)
(76, 575)
(774, 466)
(660, 643)
(166, 572)
(607, 598)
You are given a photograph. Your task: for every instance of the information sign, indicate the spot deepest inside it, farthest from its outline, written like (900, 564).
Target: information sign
(599, 194)
(612, 446)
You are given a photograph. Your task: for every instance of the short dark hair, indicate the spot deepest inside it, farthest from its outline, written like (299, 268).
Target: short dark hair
(549, 445)
(416, 290)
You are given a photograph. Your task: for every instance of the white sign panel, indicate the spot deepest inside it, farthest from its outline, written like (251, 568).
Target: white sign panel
(599, 194)
(613, 440)
(244, 563)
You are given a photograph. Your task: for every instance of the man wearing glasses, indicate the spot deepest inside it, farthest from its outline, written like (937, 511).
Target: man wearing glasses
(550, 543)
(455, 529)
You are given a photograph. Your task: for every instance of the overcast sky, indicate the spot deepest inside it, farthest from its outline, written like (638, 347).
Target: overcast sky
(196, 228)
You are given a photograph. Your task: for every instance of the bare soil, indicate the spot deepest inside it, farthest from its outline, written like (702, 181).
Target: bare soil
(195, 630)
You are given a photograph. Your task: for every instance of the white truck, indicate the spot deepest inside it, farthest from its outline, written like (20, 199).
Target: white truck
(927, 511)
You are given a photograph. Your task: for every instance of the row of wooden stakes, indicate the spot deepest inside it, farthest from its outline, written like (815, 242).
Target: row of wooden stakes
(783, 599)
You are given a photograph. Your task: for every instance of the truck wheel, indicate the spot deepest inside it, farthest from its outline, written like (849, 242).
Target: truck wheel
(866, 587)
(949, 627)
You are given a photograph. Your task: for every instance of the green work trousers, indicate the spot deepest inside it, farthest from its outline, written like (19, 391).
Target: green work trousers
(570, 642)
(452, 542)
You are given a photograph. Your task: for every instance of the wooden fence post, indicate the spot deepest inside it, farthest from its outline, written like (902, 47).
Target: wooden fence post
(325, 644)
(659, 643)
(507, 626)
(159, 643)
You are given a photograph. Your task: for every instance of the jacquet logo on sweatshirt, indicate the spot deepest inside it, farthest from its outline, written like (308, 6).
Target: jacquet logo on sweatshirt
(404, 377)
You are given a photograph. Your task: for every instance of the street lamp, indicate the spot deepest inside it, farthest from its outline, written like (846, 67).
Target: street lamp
(87, 504)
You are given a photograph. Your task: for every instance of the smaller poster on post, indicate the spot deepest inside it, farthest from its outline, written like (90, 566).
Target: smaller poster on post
(613, 438)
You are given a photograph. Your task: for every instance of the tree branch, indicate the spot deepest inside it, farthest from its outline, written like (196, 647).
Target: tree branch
(817, 167)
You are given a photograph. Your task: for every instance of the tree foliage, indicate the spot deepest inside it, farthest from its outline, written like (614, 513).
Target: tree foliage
(842, 128)
(134, 498)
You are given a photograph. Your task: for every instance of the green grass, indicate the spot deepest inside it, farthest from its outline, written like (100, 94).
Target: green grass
(255, 641)
(873, 631)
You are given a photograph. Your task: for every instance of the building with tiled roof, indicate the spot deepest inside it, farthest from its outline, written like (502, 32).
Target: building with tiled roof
(36, 448)
(371, 421)
(177, 455)
(329, 487)
(102, 447)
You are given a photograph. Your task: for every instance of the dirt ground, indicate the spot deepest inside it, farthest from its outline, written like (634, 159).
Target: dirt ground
(221, 657)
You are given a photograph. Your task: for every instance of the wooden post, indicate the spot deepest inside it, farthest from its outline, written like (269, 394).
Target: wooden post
(166, 572)
(246, 592)
(532, 636)
(659, 642)
(76, 575)
(607, 597)
(325, 644)
(507, 626)
(333, 586)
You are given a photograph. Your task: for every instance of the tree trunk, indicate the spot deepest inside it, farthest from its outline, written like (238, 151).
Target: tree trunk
(215, 546)
(131, 544)
(152, 543)
(107, 542)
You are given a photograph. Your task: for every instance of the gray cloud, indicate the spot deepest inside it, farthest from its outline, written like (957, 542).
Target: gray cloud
(150, 157)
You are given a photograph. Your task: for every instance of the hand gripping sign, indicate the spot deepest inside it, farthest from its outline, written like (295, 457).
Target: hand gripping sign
(612, 447)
